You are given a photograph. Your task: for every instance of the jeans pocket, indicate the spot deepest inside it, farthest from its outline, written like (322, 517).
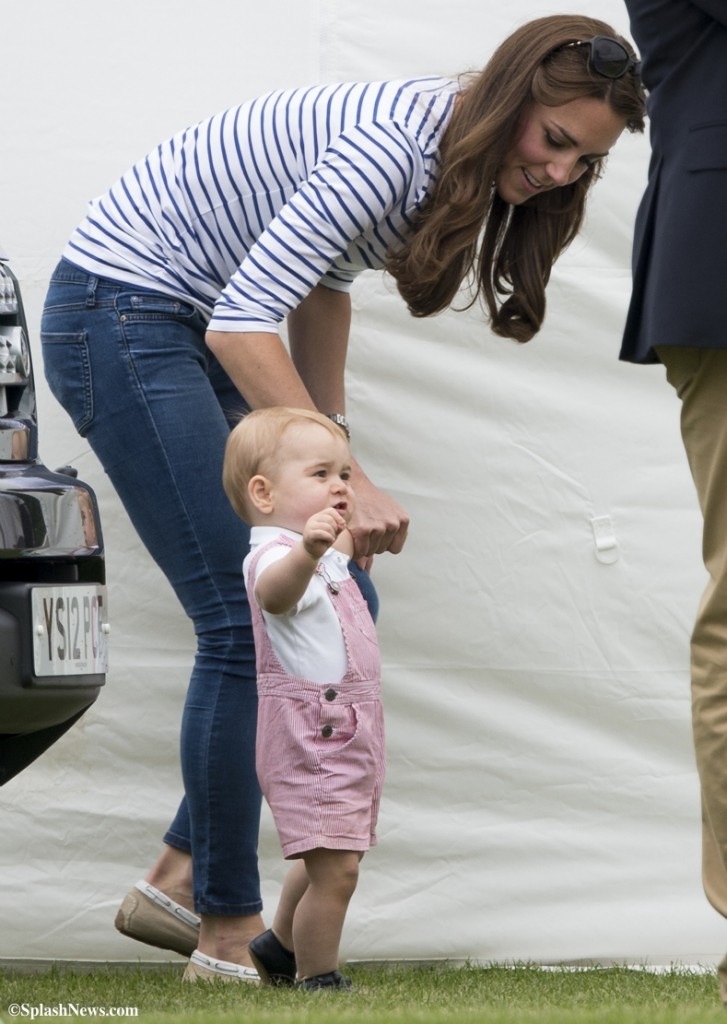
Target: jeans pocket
(67, 368)
(150, 307)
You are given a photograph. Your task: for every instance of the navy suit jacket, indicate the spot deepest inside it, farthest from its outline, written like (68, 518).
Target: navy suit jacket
(680, 240)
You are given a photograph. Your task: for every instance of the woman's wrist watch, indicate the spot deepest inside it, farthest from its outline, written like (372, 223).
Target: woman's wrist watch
(340, 421)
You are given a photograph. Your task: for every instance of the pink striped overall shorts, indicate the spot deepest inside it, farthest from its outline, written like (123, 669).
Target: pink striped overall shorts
(320, 753)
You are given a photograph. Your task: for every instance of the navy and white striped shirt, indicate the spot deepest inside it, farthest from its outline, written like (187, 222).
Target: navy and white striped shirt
(243, 214)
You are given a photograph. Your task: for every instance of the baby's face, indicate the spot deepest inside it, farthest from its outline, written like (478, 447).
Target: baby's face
(312, 471)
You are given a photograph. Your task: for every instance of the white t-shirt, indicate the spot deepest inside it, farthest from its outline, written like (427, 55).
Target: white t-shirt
(308, 641)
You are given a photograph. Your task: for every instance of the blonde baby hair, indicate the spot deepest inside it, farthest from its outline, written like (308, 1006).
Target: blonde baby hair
(253, 445)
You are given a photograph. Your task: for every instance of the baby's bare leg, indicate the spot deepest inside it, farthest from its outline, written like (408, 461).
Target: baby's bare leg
(321, 911)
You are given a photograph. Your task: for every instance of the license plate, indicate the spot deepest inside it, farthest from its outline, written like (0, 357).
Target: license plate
(70, 630)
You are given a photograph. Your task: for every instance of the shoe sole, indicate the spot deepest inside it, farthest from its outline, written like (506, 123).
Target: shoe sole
(196, 972)
(140, 918)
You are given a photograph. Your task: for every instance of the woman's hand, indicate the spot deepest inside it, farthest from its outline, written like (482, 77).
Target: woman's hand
(379, 522)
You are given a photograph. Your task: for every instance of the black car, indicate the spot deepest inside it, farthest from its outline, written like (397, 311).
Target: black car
(53, 608)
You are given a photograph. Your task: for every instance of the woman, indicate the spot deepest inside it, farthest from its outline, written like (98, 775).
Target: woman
(161, 326)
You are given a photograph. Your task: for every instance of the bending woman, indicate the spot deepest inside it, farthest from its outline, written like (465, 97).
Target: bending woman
(161, 326)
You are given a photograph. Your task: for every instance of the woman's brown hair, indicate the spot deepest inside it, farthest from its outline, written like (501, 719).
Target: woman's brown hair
(509, 263)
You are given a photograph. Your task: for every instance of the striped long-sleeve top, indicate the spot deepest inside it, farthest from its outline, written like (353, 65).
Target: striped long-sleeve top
(244, 213)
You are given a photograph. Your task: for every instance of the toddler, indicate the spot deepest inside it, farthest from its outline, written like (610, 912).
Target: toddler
(320, 734)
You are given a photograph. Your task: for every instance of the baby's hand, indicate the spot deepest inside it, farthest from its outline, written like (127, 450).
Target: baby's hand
(344, 543)
(321, 531)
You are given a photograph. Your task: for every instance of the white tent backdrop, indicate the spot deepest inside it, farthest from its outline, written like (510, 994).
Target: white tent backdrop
(542, 801)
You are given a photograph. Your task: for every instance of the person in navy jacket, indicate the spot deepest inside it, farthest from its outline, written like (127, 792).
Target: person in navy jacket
(676, 317)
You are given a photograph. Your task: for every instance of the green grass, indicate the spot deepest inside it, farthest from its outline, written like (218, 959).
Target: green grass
(382, 995)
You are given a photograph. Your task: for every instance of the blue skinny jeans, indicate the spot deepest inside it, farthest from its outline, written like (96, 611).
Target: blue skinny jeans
(131, 368)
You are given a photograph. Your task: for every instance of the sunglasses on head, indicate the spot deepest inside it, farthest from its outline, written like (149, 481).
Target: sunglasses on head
(608, 57)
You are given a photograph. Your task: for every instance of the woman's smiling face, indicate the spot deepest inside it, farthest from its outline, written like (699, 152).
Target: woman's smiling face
(556, 145)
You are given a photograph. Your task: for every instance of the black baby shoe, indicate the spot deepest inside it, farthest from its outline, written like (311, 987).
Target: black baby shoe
(275, 963)
(320, 981)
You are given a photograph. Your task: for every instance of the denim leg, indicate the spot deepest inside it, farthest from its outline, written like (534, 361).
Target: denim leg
(367, 588)
(132, 370)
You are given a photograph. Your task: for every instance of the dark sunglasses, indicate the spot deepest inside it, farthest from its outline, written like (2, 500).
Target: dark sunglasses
(608, 57)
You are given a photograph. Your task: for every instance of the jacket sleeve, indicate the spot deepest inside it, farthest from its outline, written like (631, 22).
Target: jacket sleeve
(667, 31)
(648, 10)
(716, 9)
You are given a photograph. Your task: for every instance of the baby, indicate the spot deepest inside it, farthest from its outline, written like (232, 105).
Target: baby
(320, 734)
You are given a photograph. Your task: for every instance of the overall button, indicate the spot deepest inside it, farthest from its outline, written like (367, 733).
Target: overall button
(327, 731)
(330, 694)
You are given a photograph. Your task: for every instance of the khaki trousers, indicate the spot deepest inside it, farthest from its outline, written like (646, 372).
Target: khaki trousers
(699, 377)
